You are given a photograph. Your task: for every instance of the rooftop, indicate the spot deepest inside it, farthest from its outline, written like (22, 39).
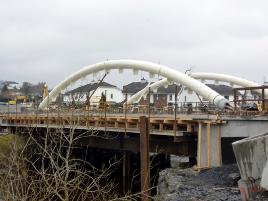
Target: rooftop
(134, 87)
(90, 87)
(222, 89)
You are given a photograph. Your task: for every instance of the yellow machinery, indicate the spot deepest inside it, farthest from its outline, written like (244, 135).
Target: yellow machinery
(21, 99)
(18, 99)
(103, 103)
(45, 91)
(12, 102)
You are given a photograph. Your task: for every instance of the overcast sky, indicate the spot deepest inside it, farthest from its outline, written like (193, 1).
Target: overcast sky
(48, 40)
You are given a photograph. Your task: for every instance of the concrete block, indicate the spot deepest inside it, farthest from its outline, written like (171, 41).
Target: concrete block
(249, 189)
(251, 155)
(264, 177)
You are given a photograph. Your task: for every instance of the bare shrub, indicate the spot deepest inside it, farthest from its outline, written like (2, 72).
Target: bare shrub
(45, 169)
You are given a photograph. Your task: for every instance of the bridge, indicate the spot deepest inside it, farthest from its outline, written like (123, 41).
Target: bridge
(205, 135)
(197, 135)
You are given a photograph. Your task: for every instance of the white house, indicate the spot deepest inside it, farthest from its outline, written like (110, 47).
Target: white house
(188, 96)
(113, 93)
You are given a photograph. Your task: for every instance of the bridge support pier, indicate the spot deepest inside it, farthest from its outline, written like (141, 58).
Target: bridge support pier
(209, 145)
(126, 171)
(145, 158)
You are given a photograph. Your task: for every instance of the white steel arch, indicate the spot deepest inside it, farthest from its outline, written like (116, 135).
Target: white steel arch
(223, 77)
(152, 68)
(202, 76)
(233, 80)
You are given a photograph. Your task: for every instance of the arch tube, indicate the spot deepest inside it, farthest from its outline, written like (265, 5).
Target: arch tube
(227, 78)
(223, 77)
(207, 76)
(152, 68)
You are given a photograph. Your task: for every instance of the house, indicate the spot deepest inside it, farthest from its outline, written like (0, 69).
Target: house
(224, 90)
(81, 94)
(162, 97)
(13, 85)
(165, 96)
(10, 89)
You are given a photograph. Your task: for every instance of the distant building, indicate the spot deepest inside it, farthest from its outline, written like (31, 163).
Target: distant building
(81, 94)
(165, 96)
(226, 91)
(10, 89)
(13, 85)
(162, 97)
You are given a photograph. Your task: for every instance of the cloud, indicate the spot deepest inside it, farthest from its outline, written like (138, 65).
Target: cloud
(48, 40)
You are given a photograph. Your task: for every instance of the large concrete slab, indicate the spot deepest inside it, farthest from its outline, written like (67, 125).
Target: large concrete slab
(251, 156)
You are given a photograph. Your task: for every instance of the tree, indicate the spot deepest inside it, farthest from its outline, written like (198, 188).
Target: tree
(45, 168)
(26, 88)
(4, 91)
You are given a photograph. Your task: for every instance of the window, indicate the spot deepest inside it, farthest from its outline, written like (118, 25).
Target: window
(112, 96)
(170, 97)
(226, 97)
(145, 97)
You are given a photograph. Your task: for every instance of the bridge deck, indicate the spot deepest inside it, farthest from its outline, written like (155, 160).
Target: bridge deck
(159, 124)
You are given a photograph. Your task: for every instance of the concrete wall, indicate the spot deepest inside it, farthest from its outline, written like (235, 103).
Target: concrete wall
(233, 129)
(209, 146)
(244, 128)
(264, 178)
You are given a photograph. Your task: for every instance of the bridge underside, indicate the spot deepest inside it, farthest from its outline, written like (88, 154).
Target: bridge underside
(183, 136)
(184, 145)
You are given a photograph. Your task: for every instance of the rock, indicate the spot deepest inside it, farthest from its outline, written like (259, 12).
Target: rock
(235, 177)
(177, 184)
(162, 188)
(178, 161)
(171, 197)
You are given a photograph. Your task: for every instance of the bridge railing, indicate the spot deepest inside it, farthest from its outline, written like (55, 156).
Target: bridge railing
(180, 108)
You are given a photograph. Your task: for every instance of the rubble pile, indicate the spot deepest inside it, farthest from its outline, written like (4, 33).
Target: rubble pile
(214, 184)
